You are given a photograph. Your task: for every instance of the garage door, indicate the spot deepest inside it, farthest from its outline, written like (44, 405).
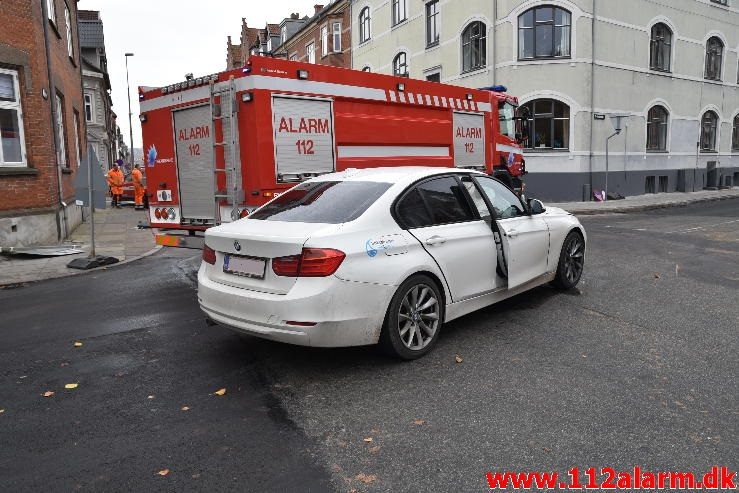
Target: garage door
(195, 162)
(303, 135)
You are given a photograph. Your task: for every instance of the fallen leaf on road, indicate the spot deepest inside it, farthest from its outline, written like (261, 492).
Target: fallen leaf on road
(656, 275)
(163, 472)
(419, 422)
(220, 392)
(78, 344)
(185, 408)
(48, 393)
(150, 397)
(458, 359)
(368, 439)
(375, 449)
(71, 386)
(366, 478)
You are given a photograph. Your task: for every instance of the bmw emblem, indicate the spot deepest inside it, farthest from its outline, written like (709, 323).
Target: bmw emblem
(237, 245)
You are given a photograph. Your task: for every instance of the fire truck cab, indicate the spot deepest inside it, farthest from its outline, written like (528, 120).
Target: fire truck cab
(217, 147)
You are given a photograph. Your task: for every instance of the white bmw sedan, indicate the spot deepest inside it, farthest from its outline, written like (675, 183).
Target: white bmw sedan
(383, 255)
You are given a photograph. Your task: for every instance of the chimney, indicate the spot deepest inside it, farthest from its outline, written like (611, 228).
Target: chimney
(296, 15)
(318, 8)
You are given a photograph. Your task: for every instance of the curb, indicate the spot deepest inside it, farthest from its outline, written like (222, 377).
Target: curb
(648, 207)
(13, 285)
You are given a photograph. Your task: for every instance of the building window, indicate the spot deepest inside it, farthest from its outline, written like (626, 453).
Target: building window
(435, 77)
(721, 2)
(337, 37)
(709, 131)
(51, 10)
(400, 64)
(474, 46)
(310, 52)
(294, 57)
(283, 34)
(399, 14)
(657, 121)
(11, 120)
(61, 150)
(366, 68)
(364, 25)
(714, 54)
(549, 121)
(660, 48)
(544, 32)
(89, 110)
(432, 23)
(324, 41)
(735, 134)
(78, 155)
(68, 22)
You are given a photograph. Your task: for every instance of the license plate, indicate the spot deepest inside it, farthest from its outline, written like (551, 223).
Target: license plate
(244, 266)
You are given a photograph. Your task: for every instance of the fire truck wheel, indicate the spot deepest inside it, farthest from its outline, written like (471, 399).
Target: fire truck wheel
(413, 320)
(571, 262)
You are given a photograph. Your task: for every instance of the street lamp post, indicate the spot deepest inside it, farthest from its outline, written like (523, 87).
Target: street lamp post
(130, 127)
(617, 122)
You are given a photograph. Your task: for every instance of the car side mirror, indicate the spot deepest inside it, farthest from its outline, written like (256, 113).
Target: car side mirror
(536, 206)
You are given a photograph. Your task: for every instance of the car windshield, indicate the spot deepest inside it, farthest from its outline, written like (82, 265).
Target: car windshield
(330, 202)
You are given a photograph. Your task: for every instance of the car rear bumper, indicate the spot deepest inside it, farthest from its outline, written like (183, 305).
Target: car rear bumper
(345, 313)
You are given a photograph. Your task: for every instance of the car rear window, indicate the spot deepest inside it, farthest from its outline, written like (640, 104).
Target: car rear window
(330, 202)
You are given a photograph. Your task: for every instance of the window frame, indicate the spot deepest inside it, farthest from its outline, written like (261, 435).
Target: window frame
(396, 64)
(493, 214)
(664, 127)
(336, 35)
(554, 26)
(91, 105)
(481, 40)
(62, 152)
(653, 65)
(16, 106)
(532, 125)
(365, 25)
(51, 11)
(712, 56)
(310, 53)
(77, 133)
(68, 26)
(715, 137)
(324, 41)
(432, 20)
(735, 134)
(395, 212)
(399, 12)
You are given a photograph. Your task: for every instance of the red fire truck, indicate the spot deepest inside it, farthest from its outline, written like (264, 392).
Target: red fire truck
(217, 147)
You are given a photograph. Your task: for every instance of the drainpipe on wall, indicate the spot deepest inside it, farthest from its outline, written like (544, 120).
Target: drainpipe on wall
(61, 228)
(495, 40)
(592, 101)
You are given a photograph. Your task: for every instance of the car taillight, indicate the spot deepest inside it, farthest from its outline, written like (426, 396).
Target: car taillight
(313, 262)
(209, 255)
(158, 213)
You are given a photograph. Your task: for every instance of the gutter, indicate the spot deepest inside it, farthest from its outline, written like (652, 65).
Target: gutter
(61, 228)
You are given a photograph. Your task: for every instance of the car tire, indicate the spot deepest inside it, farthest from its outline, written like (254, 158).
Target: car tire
(410, 330)
(571, 261)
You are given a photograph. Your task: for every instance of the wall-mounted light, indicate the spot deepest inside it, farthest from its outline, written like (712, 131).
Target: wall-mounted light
(165, 90)
(142, 117)
(401, 87)
(469, 97)
(303, 74)
(141, 96)
(247, 97)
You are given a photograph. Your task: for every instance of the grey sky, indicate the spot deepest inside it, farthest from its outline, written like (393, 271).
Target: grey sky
(170, 38)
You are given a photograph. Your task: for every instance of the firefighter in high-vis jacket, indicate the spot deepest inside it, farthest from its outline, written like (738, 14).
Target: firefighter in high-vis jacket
(138, 187)
(115, 182)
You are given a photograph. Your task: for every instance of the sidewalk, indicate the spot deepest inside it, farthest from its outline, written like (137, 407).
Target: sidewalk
(646, 202)
(116, 235)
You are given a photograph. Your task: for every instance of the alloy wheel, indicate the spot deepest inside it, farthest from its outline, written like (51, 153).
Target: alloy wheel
(418, 317)
(574, 259)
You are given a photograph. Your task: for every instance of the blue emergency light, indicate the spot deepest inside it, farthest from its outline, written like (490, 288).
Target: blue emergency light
(495, 88)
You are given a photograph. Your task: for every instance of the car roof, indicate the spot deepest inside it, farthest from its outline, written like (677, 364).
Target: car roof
(390, 174)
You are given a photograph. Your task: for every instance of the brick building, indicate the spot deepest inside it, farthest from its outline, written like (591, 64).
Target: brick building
(325, 38)
(253, 41)
(41, 124)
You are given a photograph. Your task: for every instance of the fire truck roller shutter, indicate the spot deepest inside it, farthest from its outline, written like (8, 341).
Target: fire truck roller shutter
(194, 138)
(469, 140)
(303, 135)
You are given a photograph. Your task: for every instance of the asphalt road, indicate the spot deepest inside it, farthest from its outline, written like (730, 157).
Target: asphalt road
(638, 367)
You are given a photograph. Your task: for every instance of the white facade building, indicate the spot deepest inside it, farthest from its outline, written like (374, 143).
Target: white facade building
(671, 68)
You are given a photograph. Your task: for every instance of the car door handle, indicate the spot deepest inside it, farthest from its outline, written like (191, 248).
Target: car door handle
(435, 240)
(512, 233)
